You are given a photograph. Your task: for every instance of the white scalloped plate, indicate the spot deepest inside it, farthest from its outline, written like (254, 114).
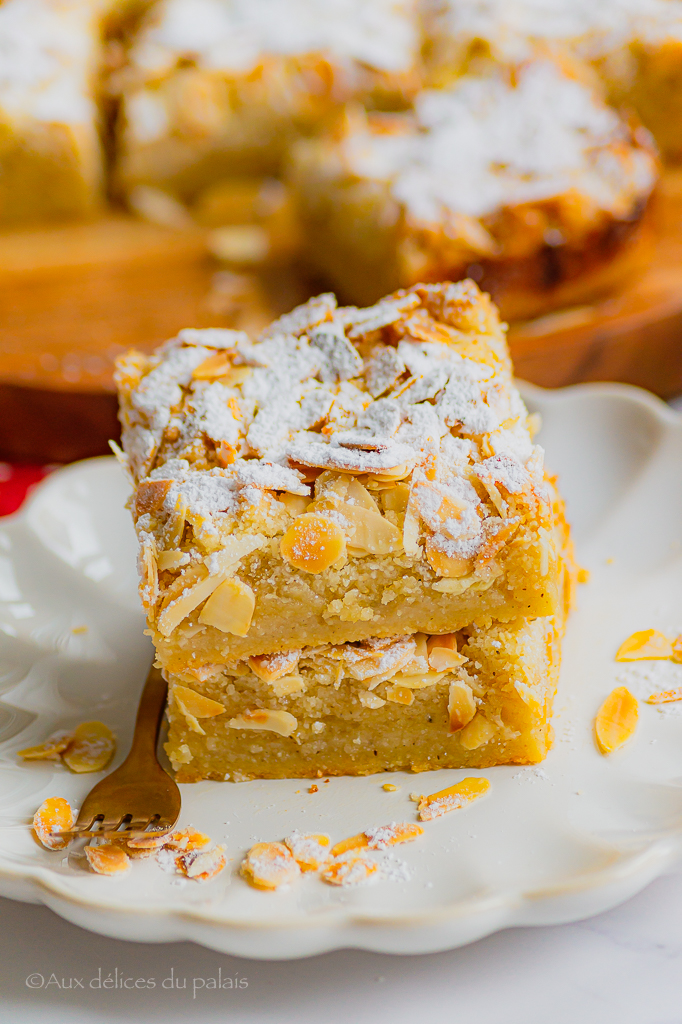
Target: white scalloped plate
(581, 835)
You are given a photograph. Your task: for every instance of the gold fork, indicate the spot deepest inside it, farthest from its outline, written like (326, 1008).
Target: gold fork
(139, 794)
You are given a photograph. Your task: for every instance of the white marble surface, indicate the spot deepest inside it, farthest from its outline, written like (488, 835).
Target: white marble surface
(623, 967)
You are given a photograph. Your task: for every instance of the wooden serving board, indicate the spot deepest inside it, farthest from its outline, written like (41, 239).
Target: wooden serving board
(73, 297)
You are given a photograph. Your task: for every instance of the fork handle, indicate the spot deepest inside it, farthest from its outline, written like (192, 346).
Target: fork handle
(149, 715)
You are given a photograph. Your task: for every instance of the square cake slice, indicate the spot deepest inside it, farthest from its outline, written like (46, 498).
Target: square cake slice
(353, 474)
(50, 153)
(468, 700)
(214, 88)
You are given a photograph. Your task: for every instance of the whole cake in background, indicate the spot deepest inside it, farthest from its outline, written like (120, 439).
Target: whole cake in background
(528, 182)
(352, 559)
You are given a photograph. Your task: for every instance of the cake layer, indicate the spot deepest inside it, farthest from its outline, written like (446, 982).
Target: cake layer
(355, 473)
(222, 87)
(405, 703)
(526, 181)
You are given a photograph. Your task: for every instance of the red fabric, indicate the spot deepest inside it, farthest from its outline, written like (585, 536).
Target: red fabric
(16, 482)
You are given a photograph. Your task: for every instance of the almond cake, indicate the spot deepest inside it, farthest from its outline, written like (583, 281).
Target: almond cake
(221, 87)
(50, 159)
(348, 541)
(529, 183)
(635, 47)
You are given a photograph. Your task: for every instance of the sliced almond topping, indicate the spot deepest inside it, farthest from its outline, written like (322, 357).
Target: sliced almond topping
(442, 652)
(351, 870)
(449, 566)
(284, 687)
(227, 454)
(477, 733)
(419, 681)
(270, 667)
(264, 720)
(213, 367)
(150, 496)
(54, 815)
(220, 566)
(383, 836)
(370, 700)
(395, 498)
(616, 720)
(195, 704)
(356, 494)
(399, 695)
(452, 798)
(461, 706)
(295, 504)
(50, 749)
(646, 645)
(310, 851)
(107, 859)
(665, 697)
(370, 532)
(202, 865)
(174, 559)
(270, 866)
(91, 749)
(313, 543)
(230, 608)
(175, 527)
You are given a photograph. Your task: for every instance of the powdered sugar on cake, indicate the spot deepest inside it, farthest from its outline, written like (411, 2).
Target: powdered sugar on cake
(343, 389)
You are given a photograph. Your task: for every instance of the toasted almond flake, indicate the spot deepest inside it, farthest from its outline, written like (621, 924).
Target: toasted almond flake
(477, 733)
(665, 697)
(270, 866)
(352, 843)
(452, 798)
(448, 566)
(193, 705)
(230, 608)
(213, 367)
(53, 816)
(150, 496)
(220, 566)
(310, 851)
(174, 559)
(50, 749)
(369, 532)
(187, 839)
(284, 687)
(419, 681)
(461, 706)
(264, 720)
(370, 700)
(313, 543)
(351, 870)
(92, 747)
(399, 695)
(648, 644)
(270, 667)
(383, 836)
(107, 859)
(442, 653)
(616, 720)
(295, 504)
(202, 865)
